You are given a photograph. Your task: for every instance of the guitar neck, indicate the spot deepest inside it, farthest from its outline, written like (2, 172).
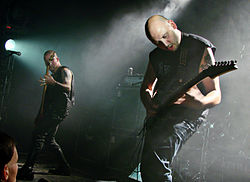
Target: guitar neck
(44, 91)
(212, 71)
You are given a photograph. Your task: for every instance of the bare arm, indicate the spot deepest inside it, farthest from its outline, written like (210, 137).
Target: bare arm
(194, 98)
(212, 86)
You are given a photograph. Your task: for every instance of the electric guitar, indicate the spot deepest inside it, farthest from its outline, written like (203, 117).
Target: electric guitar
(219, 68)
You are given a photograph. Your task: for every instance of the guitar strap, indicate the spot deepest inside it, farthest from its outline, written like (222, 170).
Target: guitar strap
(181, 70)
(182, 73)
(183, 56)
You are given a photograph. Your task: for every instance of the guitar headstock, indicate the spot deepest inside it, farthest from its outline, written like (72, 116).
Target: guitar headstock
(220, 68)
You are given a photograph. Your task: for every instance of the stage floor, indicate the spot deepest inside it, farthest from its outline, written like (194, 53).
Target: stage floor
(84, 173)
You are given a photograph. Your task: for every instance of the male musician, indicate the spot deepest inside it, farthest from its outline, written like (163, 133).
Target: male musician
(178, 58)
(59, 98)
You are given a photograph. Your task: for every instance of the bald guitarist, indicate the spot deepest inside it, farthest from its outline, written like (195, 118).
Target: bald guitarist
(177, 58)
(56, 103)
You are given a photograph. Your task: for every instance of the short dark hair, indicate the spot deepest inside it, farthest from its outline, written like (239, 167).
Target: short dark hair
(7, 146)
(49, 52)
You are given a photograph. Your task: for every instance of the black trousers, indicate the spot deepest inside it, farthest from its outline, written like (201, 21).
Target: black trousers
(44, 134)
(161, 145)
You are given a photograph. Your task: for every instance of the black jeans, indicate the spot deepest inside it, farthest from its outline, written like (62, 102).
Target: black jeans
(161, 145)
(44, 134)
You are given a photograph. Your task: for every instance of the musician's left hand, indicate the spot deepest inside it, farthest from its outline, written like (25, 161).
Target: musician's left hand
(47, 80)
(192, 98)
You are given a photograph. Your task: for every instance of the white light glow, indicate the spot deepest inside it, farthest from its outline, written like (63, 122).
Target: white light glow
(10, 45)
(174, 7)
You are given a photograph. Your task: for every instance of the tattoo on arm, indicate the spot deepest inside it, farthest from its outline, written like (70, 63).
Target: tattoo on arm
(207, 62)
(66, 76)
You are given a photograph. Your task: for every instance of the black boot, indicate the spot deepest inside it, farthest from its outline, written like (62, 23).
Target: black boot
(63, 167)
(26, 172)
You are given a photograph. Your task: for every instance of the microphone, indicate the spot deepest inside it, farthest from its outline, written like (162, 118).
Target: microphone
(14, 52)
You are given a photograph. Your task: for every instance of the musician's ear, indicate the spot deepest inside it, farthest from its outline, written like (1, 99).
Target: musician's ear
(5, 172)
(172, 23)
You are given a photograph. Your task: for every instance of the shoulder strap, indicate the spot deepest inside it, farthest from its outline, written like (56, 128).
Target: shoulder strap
(182, 62)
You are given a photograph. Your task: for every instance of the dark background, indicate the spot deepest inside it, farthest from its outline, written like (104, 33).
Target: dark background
(99, 41)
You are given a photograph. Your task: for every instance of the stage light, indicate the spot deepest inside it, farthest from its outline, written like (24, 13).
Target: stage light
(10, 45)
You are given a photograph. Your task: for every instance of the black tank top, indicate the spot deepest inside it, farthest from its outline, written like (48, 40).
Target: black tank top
(58, 100)
(175, 68)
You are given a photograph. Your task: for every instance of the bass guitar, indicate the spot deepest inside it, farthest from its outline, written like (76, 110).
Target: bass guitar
(40, 114)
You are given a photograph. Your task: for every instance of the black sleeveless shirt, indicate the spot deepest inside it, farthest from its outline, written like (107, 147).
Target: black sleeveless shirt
(173, 68)
(58, 100)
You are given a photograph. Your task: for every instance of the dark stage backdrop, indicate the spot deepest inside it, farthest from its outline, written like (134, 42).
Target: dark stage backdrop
(99, 41)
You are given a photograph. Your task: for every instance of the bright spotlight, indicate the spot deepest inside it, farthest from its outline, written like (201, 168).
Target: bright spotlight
(10, 45)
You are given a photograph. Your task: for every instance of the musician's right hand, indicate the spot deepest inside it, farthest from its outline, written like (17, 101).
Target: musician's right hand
(192, 98)
(47, 80)
(42, 81)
